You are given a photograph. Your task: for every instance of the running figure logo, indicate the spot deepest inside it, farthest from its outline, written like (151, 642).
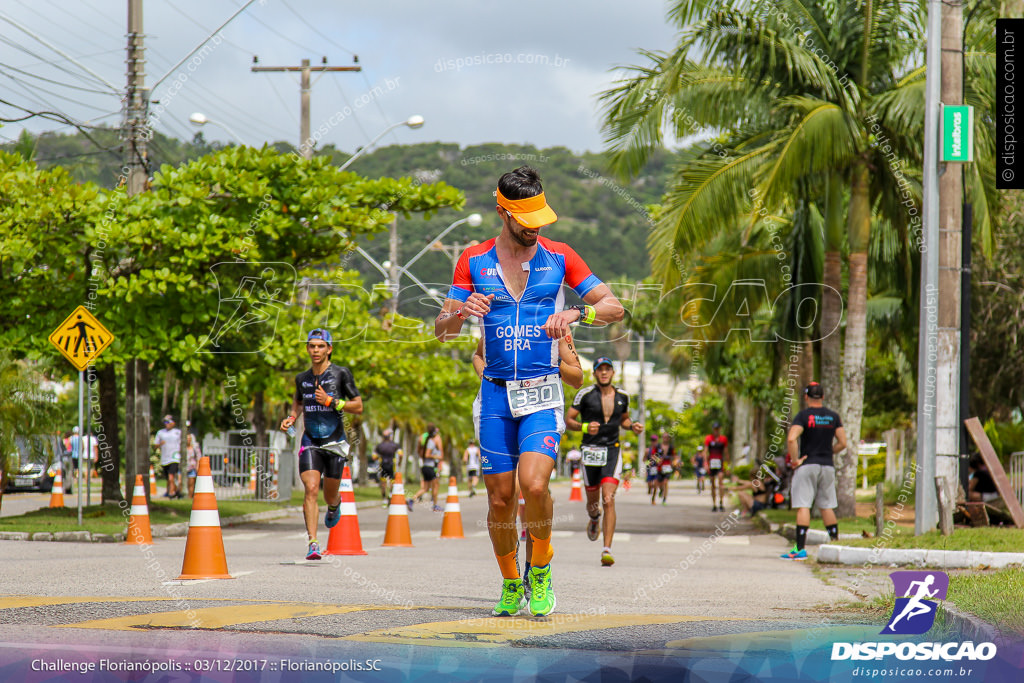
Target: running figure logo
(247, 317)
(914, 612)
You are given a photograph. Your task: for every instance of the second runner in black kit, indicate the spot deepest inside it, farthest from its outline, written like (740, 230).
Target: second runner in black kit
(322, 393)
(600, 411)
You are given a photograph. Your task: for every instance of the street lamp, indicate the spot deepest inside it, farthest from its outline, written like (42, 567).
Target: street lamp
(200, 119)
(414, 121)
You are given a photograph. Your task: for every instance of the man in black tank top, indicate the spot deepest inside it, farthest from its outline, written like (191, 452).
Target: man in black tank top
(322, 393)
(815, 435)
(600, 411)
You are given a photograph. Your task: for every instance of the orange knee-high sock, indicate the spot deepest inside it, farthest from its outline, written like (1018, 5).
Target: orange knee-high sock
(508, 565)
(542, 551)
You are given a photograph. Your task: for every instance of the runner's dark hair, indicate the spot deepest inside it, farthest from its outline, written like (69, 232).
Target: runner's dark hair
(521, 183)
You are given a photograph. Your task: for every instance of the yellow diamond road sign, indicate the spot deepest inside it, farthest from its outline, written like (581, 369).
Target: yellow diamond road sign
(81, 338)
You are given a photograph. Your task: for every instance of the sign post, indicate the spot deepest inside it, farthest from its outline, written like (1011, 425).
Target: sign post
(81, 338)
(957, 133)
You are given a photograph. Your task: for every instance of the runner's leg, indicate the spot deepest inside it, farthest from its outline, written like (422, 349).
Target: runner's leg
(310, 508)
(534, 475)
(608, 501)
(501, 520)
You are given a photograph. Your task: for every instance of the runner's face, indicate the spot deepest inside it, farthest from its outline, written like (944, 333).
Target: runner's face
(526, 237)
(318, 350)
(604, 375)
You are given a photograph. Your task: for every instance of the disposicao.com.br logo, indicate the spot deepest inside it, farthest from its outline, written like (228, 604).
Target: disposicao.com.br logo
(916, 593)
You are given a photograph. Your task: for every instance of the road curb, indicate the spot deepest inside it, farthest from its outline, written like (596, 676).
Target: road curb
(814, 536)
(917, 557)
(158, 530)
(970, 626)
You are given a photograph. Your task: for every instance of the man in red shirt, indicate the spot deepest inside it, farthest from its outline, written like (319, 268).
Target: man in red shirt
(715, 444)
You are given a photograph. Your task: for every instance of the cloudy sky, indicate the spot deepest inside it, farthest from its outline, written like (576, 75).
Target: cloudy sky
(513, 72)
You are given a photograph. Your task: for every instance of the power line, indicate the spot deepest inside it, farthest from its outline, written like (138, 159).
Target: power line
(18, 46)
(283, 104)
(12, 22)
(304, 48)
(359, 124)
(315, 30)
(50, 92)
(50, 80)
(61, 118)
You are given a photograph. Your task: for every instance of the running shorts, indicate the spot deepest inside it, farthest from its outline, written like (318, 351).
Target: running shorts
(814, 486)
(595, 475)
(328, 459)
(503, 437)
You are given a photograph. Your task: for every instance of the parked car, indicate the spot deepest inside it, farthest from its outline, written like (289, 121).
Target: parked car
(35, 464)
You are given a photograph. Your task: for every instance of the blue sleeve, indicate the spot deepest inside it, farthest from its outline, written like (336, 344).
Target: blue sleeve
(589, 283)
(458, 293)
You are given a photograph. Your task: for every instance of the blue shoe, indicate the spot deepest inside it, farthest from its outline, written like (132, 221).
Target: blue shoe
(314, 551)
(795, 554)
(332, 516)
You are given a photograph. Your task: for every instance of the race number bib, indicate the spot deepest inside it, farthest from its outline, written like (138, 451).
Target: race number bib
(666, 469)
(595, 456)
(715, 464)
(532, 395)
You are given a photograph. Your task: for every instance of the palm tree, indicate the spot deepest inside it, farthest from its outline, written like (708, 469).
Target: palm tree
(807, 95)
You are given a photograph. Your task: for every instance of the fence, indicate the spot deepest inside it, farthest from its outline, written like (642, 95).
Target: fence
(244, 472)
(1016, 474)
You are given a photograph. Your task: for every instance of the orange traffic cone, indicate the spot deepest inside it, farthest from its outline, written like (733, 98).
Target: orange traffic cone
(451, 525)
(252, 477)
(345, 538)
(57, 491)
(397, 533)
(204, 547)
(577, 486)
(152, 482)
(139, 532)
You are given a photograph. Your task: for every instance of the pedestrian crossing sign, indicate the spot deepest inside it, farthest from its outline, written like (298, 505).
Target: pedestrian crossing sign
(81, 338)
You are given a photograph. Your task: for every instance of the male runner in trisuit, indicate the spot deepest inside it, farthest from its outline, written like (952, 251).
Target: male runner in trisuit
(571, 372)
(812, 433)
(322, 393)
(599, 411)
(662, 456)
(715, 444)
(513, 283)
(388, 451)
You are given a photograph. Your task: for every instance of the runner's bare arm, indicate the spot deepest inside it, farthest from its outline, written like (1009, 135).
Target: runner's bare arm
(571, 421)
(448, 323)
(627, 423)
(478, 358)
(606, 306)
(793, 443)
(569, 362)
(840, 444)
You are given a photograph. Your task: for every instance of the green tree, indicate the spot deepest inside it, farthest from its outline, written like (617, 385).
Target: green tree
(803, 91)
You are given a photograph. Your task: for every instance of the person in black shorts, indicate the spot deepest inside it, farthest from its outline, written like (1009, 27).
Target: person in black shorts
(815, 436)
(604, 410)
(387, 450)
(663, 457)
(715, 444)
(323, 393)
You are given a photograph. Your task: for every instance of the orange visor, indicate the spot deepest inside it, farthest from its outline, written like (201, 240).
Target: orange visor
(532, 212)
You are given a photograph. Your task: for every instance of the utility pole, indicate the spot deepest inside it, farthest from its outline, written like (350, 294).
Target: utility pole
(394, 273)
(135, 133)
(925, 515)
(305, 143)
(951, 188)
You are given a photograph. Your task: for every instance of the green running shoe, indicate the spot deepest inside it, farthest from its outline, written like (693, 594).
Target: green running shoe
(512, 599)
(542, 598)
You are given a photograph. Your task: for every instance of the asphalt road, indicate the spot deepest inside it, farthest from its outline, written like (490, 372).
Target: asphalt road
(688, 586)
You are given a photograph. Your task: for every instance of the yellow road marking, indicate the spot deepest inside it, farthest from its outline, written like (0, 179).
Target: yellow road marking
(784, 641)
(219, 617)
(495, 631)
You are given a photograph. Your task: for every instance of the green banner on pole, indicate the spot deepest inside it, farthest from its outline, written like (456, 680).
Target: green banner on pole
(957, 133)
